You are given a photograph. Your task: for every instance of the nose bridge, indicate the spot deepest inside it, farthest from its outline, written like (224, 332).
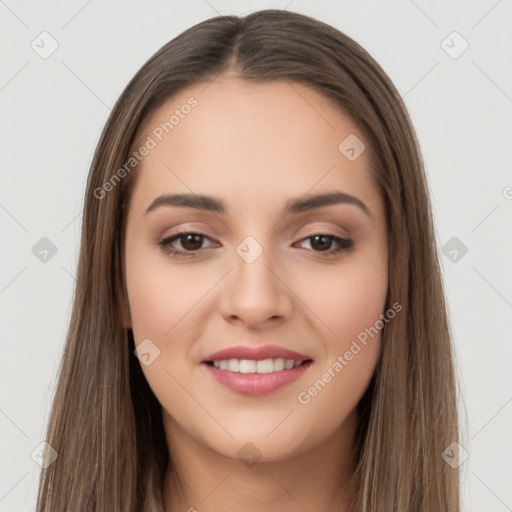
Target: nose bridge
(255, 292)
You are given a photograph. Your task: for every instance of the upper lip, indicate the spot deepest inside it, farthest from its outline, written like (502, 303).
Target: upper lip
(257, 354)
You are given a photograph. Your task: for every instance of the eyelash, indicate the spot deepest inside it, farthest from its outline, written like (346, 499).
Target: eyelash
(165, 244)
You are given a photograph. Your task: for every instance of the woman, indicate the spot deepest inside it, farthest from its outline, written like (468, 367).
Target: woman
(259, 320)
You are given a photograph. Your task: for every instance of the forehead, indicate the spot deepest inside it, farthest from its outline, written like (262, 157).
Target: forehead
(262, 140)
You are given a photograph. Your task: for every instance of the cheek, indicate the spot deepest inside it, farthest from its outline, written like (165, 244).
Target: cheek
(356, 303)
(337, 384)
(348, 298)
(349, 301)
(159, 300)
(152, 304)
(157, 294)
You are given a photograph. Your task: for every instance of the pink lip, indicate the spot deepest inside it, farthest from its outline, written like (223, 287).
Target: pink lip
(256, 383)
(256, 354)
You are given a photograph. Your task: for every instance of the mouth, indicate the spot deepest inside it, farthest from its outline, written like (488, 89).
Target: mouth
(256, 377)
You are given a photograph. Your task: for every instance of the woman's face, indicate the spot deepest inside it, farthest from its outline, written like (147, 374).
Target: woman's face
(256, 275)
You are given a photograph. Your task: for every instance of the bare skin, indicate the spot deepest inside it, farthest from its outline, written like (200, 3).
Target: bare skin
(255, 147)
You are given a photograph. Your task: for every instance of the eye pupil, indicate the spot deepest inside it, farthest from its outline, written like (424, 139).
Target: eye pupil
(196, 241)
(322, 246)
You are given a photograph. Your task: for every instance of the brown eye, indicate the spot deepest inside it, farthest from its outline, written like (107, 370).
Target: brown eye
(323, 242)
(191, 242)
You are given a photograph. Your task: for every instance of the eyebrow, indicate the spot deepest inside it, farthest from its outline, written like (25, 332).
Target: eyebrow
(295, 205)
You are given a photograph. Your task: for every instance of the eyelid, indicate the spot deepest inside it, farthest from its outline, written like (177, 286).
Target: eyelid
(182, 230)
(334, 231)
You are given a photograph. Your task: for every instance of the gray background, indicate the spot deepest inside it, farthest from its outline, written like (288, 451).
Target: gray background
(54, 108)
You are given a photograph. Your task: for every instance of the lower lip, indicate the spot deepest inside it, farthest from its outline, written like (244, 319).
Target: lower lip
(254, 384)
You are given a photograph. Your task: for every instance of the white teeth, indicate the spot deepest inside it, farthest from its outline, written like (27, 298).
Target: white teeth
(251, 366)
(265, 366)
(279, 364)
(247, 366)
(288, 364)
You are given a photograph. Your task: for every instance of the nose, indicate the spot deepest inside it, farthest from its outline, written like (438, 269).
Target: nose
(255, 293)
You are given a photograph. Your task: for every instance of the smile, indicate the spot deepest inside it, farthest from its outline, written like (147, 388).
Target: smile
(250, 377)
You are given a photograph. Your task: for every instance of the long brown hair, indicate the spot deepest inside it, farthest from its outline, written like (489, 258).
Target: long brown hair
(106, 423)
